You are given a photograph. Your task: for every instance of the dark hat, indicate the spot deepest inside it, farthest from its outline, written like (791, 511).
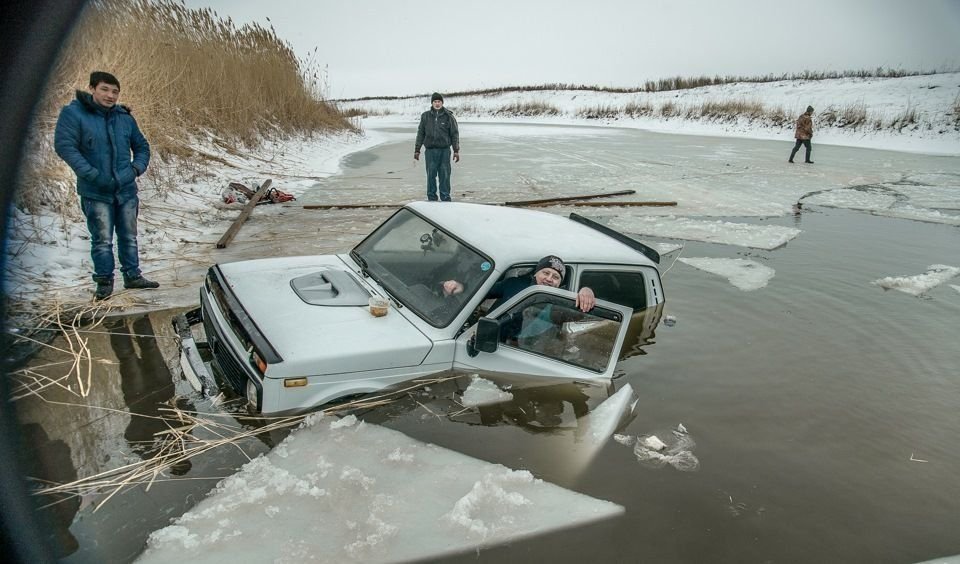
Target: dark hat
(436, 96)
(551, 261)
(809, 109)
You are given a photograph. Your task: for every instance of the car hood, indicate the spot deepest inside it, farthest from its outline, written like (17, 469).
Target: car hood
(323, 337)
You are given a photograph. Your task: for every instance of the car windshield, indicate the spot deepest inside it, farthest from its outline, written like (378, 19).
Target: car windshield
(412, 258)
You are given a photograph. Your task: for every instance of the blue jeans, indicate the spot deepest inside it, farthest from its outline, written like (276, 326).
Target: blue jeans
(438, 172)
(103, 219)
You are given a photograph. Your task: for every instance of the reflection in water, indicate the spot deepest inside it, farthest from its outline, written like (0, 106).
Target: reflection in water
(538, 409)
(143, 392)
(641, 332)
(51, 459)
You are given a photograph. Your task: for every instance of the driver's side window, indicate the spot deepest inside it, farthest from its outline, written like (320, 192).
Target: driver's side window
(552, 326)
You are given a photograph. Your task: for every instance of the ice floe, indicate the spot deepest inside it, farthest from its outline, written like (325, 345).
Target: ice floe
(724, 232)
(653, 452)
(748, 275)
(346, 491)
(483, 392)
(918, 284)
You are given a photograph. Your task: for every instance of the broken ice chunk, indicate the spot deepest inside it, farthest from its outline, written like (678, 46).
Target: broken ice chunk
(653, 442)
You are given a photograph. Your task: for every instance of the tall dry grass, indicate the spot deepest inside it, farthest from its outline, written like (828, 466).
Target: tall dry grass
(186, 74)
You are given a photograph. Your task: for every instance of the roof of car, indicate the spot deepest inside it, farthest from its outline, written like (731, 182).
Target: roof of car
(514, 235)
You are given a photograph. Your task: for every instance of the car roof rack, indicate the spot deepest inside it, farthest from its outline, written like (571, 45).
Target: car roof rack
(628, 241)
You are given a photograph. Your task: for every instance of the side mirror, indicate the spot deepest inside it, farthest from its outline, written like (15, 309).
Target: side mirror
(487, 338)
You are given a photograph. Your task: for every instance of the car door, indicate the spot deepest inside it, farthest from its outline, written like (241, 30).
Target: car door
(543, 336)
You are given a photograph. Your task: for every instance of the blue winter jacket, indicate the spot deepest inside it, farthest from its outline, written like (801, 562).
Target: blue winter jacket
(97, 143)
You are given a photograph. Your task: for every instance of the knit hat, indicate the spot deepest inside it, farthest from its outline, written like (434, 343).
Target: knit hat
(809, 109)
(551, 261)
(436, 96)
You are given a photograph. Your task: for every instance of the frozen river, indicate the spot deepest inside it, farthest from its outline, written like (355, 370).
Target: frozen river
(823, 401)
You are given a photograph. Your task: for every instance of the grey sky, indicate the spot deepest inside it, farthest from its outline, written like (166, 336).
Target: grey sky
(397, 47)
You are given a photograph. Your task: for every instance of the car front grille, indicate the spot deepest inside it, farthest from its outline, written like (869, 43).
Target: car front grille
(225, 363)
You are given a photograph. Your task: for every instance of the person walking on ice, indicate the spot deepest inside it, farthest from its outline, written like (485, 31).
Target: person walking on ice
(804, 134)
(437, 132)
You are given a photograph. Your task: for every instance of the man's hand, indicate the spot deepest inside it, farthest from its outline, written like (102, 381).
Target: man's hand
(452, 287)
(456, 157)
(416, 155)
(585, 299)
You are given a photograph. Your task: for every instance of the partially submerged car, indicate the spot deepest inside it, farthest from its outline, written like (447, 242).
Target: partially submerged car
(293, 333)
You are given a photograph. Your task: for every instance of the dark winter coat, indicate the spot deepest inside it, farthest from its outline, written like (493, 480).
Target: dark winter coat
(438, 130)
(97, 143)
(506, 289)
(804, 127)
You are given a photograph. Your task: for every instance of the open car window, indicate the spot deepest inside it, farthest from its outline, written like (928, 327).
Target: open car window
(411, 258)
(550, 325)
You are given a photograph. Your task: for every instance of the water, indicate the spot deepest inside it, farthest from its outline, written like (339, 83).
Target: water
(807, 399)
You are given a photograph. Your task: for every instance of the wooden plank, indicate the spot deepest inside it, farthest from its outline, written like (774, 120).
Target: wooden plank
(348, 206)
(609, 204)
(567, 198)
(237, 223)
(518, 203)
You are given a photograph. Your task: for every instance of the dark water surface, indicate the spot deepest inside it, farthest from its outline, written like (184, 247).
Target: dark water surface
(807, 400)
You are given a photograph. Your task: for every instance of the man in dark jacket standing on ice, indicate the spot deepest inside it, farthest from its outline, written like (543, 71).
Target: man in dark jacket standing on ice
(96, 137)
(804, 134)
(438, 131)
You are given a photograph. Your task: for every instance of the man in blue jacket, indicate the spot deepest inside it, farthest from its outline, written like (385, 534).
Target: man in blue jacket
(438, 131)
(96, 136)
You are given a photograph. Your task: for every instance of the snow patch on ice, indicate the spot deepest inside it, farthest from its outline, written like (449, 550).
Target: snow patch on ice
(918, 284)
(747, 275)
(488, 508)
(483, 392)
(348, 421)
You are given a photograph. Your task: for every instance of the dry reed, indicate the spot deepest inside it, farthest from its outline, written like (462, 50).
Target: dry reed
(181, 441)
(187, 74)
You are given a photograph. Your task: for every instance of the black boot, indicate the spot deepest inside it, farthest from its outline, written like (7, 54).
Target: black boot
(104, 289)
(139, 283)
(808, 162)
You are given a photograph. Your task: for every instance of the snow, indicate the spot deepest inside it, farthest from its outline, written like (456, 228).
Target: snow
(49, 252)
(745, 274)
(340, 490)
(919, 284)
(931, 97)
(483, 392)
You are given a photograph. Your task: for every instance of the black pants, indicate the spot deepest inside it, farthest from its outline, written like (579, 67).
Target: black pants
(805, 143)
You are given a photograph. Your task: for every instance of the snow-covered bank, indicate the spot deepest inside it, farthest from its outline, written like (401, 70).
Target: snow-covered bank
(49, 252)
(932, 100)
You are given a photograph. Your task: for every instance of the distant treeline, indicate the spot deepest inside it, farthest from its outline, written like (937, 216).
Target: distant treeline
(675, 83)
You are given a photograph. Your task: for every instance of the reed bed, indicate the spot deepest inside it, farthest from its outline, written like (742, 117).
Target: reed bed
(187, 74)
(189, 434)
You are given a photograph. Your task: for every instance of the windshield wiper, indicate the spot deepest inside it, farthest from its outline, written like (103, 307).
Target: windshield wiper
(362, 262)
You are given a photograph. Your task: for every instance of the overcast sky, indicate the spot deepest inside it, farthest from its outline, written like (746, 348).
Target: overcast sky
(400, 47)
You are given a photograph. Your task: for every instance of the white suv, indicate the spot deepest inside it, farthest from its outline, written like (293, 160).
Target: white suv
(294, 333)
